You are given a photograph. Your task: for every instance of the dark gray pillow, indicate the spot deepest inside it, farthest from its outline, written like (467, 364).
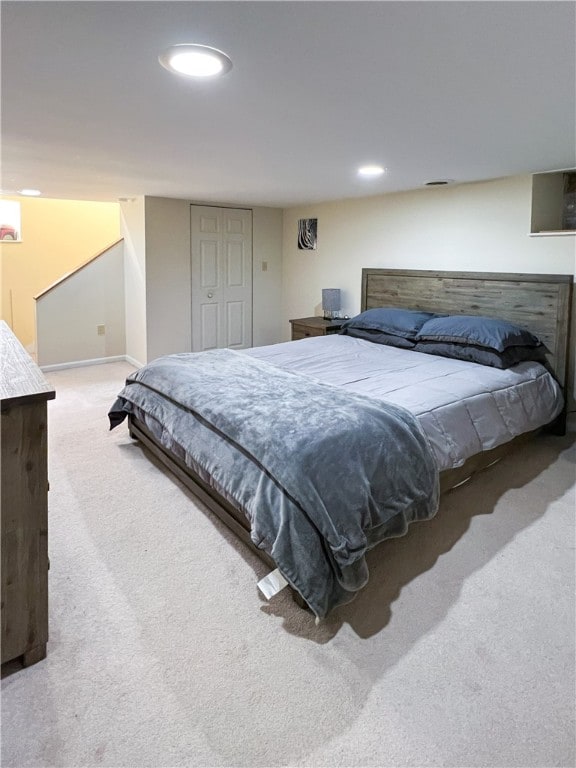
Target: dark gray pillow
(378, 337)
(483, 355)
(396, 322)
(481, 331)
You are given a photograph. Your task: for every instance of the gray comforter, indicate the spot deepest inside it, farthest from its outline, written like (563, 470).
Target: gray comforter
(322, 474)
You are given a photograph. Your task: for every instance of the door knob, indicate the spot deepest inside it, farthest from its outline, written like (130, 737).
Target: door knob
(209, 295)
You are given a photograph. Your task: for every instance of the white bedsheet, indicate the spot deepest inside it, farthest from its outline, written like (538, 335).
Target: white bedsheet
(464, 408)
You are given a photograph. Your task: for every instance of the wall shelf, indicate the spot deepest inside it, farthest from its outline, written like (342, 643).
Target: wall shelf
(553, 203)
(556, 233)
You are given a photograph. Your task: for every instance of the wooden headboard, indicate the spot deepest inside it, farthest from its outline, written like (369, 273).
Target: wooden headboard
(540, 303)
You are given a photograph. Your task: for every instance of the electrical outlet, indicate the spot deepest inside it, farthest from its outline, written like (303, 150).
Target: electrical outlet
(101, 330)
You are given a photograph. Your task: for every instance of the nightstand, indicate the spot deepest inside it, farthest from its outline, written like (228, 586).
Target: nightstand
(303, 327)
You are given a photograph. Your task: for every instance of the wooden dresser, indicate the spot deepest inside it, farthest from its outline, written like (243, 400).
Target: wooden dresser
(24, 393)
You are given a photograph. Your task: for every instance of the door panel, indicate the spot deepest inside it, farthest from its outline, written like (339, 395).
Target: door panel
(209, 258)
(235, 225)
(209, 223)
(210, 326)
(235, 265)
(235, 324)
(221, 261)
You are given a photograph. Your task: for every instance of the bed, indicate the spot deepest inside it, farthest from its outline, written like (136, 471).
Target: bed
(322, 448)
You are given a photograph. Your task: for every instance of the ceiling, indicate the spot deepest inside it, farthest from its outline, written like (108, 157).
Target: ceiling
(431, 90)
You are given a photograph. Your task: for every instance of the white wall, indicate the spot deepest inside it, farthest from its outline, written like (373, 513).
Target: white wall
(67, 315)
(267, 275)
(168, 310)
(468, 227)
(132, 225)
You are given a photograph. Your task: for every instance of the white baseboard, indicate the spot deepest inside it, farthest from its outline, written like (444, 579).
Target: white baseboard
(132, 361)
(82, 363)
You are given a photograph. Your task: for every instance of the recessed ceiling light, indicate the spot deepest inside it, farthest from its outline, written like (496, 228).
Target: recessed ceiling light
(371, 171)
(30, 192)
(195, 60)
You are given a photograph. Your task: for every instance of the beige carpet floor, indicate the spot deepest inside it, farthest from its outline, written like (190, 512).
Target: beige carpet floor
(460, 651)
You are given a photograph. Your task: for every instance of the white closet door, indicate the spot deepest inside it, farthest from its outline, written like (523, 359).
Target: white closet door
(221, 243)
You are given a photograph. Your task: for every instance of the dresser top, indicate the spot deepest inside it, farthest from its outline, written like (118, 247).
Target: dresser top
(20, 378)
(314, 322)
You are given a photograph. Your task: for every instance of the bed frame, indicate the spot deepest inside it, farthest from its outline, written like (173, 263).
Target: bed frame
(540, 303)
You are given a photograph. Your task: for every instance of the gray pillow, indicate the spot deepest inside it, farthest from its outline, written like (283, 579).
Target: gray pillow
(483, 355)
(490, 332)
(396, 322)
(378, 337)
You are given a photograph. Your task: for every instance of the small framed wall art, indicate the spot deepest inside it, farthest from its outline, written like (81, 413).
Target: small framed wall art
(10, 227)
(307, 234)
